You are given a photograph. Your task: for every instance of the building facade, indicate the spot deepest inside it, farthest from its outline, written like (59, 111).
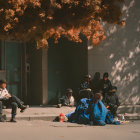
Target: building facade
(41, 76)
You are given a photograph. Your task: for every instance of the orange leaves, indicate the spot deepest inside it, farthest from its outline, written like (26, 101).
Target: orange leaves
(9, 13)
(73, 34)
(40, 20)
(42, 43)
(95, 32)
(7, 27)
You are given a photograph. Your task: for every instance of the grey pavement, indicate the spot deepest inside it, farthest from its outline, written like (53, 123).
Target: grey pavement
(40, 113)
(49, 113)
(47, 130)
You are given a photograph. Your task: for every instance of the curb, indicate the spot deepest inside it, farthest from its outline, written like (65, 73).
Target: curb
(132, 117)
(31, 118)
(51, 118)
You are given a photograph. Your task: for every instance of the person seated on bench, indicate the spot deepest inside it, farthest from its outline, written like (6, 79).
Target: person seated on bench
(85, 87)
(112, 102)
(67, 99)
(7, 99)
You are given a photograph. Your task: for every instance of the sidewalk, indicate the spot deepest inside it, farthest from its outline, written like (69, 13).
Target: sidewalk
(39, 113)
(49, 113)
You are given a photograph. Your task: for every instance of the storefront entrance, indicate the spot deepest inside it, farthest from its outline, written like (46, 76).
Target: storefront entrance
(11, 66)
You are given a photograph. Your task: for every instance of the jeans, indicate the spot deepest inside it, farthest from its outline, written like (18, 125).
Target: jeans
(13, 102)
(16, 100)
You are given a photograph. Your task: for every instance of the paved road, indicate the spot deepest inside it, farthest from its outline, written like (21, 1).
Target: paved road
(44, 130)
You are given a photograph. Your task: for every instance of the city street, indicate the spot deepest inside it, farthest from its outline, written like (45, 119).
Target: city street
(46, 130)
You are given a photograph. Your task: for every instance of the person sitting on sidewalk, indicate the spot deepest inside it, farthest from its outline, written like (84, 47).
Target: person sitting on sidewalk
(67, 99)
(85, 90)
(112, 102)
(95, 83)
(105, 85)
(9, 100)
(97, 110)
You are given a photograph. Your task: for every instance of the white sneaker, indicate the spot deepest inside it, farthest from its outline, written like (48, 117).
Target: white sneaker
(115, 119)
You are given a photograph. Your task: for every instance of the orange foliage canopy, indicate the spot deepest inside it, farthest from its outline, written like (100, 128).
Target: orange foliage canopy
(39, 20)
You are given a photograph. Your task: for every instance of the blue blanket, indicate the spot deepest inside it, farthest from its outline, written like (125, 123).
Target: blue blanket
(80, 115)
(86, 112)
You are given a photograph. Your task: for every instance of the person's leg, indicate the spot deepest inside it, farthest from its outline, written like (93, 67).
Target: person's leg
(19, 102)
(14, 111)
(1, 120)
(60, 102)
(114, 111)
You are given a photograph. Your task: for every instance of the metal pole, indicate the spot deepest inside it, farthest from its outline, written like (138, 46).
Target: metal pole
(5, 60)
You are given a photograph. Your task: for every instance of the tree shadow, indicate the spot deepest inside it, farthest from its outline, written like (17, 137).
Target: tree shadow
(120, 54)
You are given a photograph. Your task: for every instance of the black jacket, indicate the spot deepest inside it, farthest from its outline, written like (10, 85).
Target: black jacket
(112, 100)
(105, 86)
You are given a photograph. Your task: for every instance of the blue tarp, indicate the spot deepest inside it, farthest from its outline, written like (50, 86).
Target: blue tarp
(80, 115)
(87, 112)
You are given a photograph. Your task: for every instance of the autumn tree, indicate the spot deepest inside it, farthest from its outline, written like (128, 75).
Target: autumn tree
(39, 20)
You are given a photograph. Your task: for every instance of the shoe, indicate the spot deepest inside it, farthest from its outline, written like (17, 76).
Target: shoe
(115, 119)
(2, 120)
(23, 108)
(59, 105)
(13, 120)
(4, 117)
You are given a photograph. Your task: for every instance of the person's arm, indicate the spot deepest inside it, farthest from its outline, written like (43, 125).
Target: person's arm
(88, 109)
(7, 94)
(100, 86)
(2, 96)
(91, 84)
(109, 86)
(82, 86)
(117, 101)
(72, 103)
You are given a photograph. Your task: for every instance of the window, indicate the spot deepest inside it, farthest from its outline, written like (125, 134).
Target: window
(2, 55)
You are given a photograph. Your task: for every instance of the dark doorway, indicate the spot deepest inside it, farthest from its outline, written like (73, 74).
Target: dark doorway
(67, 63)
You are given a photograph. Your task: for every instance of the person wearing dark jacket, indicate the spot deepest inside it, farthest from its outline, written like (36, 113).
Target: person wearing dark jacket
(67, 99)
(86, 83)
(85, 90)
(105, 85)
(112, 101)
(95, 83)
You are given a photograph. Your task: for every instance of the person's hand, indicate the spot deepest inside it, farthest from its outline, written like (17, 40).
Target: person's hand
(107, 107)
(112, 91)
(88, 89)
(8, 96)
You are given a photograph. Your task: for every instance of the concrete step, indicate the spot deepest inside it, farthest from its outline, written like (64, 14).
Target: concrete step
(50, 113)
(130, 109)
